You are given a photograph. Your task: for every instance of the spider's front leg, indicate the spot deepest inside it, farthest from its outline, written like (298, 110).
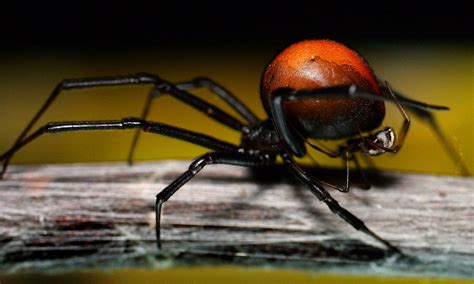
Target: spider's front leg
(296, 144)
(321, 193)
(281, 95)
(425, 115)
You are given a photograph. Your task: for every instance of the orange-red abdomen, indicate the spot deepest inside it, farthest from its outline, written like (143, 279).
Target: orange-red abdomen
(318, 64)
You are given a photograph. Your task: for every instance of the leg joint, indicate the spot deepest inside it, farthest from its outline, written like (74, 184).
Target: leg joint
(198, 164)
(149, 78)
(203, 82)
(134, 122)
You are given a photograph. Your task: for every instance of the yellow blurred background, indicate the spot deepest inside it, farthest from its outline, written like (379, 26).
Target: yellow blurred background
(437, 74)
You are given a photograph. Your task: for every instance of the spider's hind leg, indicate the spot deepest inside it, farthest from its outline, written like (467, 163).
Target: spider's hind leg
(199, 82)
(136, 79)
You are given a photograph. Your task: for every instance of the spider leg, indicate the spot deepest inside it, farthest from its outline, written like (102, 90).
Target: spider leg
(403, 131)
(333, 205)
(366, 183)
(351, 91)
(137, 79)
(317, 180)
(411, 104)
(430, 119)
(199, 82)
(406, 122)
(420, 109)
(280, 116)
(347, 158)
(196, 166)
(126, 123)
(293, 143)
(146, 109)
(324, 151)
(223, 93)
(348, 171)
(279, 96)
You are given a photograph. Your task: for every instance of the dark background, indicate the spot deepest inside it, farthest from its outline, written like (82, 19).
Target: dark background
(132, 24)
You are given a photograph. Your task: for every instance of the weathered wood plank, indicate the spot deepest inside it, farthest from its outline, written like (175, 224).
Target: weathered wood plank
(54, 217)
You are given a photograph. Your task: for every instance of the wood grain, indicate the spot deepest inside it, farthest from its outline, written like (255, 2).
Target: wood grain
(57, 217)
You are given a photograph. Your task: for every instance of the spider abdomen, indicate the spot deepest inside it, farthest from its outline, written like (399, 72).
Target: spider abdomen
(318, 64)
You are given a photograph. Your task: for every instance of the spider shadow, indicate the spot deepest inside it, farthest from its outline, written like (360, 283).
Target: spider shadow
(277, 174)
(280, 174)
(334, 247)
(268, 177)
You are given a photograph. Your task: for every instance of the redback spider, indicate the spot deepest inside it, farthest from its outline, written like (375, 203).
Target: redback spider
(312, 89)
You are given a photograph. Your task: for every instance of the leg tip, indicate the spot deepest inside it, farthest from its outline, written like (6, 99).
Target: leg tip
(393, 250)
(367, 187)
(396, 251)
(158, 245)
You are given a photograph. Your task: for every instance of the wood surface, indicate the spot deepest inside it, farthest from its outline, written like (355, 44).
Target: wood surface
(78, 216)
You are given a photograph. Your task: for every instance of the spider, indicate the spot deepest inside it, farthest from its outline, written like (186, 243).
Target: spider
(312, 89)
